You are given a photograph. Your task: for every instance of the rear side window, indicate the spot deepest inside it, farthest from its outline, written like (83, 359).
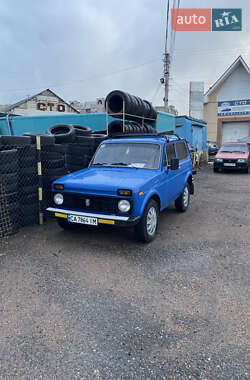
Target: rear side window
(170, 151)
(181, 150)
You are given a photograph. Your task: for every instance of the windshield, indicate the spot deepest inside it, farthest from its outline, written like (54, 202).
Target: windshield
(135, 155)
(234, 148)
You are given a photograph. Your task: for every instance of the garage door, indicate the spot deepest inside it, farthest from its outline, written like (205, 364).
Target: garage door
(234, 131)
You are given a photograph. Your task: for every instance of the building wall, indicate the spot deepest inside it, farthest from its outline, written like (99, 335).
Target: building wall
(236, 87)
(45, 103)
(211, 117)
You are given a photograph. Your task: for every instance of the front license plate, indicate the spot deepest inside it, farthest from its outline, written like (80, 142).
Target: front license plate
(82, 220)
(229, 164)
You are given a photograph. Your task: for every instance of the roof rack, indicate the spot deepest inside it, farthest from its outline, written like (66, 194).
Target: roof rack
(124, 135)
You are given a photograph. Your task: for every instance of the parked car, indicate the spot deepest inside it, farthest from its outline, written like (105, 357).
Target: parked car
(234, 155)
(128, 182)
(212, 148)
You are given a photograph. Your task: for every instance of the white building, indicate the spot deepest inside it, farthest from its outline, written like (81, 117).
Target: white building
(227, 104)
(45, 102)
(95, 106)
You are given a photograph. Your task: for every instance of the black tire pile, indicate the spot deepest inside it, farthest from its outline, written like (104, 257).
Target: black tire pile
(139, 115)
(73, 149)
(18, 184)
(64, 149)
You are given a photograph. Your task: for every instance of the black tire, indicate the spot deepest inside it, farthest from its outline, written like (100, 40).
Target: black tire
(47, 180)
(10, 201)
(215, 170)
(79, 149)
(53, 164)
(59, 148)
(182, 202)
(81, 130)
(44, 139)
(54, 172)
(8, 161)
(26, 190)
(67, 225)
(28, 177)
(9, 182)
(100, 132)
(15, 140)
(29, 214)
(143, 232)
(29, 199)
(51, 156)
(28, 172)
(27, 162)
(85, 140)
(77, 160)
(75, 168)
(64, 133)
(245, 170)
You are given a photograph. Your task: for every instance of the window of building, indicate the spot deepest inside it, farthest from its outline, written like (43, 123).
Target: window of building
(181, 150)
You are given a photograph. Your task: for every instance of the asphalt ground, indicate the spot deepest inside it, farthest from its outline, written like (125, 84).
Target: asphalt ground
(96, 304)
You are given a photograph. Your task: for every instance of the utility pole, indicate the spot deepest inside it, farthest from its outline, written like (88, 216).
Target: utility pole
(166, 79)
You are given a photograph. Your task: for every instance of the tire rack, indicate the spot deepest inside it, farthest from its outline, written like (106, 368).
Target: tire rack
(124, 115)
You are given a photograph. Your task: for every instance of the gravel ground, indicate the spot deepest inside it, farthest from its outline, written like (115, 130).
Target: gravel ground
(96, 304)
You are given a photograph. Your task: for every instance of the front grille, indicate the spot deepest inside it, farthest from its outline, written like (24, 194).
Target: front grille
(230, 161)
(90, 203)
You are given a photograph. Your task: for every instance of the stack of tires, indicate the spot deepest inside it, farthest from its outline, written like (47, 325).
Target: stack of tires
(53, 167)
(9, 199)
(28, 185)
(79, 144)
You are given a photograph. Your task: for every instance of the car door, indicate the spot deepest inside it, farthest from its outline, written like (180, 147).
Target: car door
(168, 189)
(184, 165)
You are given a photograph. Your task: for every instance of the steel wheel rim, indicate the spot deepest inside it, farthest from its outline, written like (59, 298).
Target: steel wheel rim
(185, 196)
(151, 221)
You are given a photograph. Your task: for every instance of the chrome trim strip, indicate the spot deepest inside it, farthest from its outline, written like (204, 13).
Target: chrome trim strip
(100, 216)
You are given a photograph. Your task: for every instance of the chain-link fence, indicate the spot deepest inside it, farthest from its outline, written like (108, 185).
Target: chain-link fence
(29, 165)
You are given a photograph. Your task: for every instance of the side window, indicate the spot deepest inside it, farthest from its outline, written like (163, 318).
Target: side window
(181, 151)
(169, 153)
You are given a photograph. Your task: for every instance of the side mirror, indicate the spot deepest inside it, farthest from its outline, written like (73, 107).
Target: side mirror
(174, 164)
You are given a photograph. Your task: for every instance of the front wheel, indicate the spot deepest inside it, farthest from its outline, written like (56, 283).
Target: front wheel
(146, 229)
(182, 203)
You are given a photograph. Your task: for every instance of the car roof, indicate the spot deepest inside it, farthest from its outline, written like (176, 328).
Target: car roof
(143, 139)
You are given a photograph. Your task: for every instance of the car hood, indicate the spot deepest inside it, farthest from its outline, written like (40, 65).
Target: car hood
(231, 156)
(108, 180)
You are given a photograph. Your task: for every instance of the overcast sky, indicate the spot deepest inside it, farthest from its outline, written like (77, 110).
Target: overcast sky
(82, 49)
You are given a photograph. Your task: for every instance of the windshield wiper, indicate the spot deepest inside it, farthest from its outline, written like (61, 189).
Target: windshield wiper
(118, 164)
(100, 164)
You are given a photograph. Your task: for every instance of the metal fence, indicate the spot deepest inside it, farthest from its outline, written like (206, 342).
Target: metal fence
(28, 166)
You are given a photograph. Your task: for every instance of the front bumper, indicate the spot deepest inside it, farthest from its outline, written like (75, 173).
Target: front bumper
(238, 165)
(117, 220)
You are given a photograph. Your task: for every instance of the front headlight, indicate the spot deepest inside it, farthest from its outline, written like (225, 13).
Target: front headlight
(219, 160)
(58, 199)
(241, 160)
(124, 205)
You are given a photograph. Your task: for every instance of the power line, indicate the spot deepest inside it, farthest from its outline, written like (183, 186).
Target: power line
(78, 81)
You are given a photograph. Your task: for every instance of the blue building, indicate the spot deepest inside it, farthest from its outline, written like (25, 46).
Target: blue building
(18, 125)
(193, 130)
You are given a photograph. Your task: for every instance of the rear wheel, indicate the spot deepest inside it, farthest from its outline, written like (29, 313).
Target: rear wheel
(146, 229)
(66, 225)
(182, 203)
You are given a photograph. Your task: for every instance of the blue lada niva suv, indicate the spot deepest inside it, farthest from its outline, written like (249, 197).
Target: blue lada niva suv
(127, 183)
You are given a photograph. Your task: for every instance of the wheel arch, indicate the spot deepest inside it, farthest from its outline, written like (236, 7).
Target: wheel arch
(150, 196)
